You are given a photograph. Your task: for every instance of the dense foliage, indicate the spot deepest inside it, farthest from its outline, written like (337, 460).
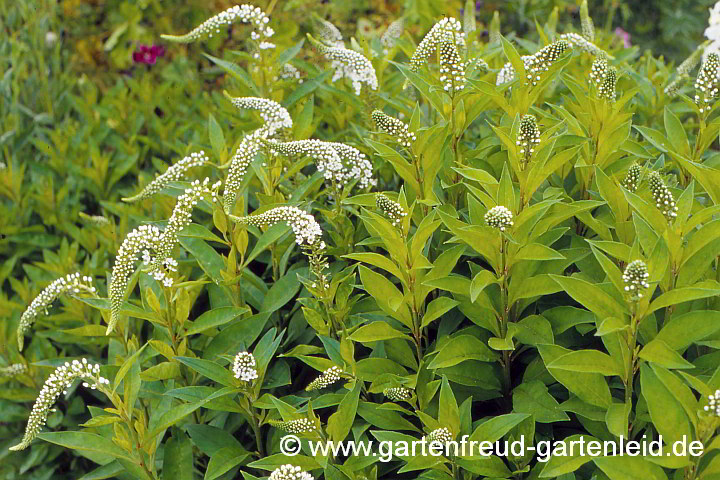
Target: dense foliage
(419, 229)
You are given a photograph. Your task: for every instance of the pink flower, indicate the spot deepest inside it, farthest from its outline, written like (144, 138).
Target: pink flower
(148, 54)
(625, 36)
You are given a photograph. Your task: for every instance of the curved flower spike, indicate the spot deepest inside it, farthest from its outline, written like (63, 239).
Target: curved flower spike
(499, 217)
(528, 138)
(58, 382)
(632, 179)
(663, 196)
(239, 13)
(298, 426)
(156, 247)
(327, 32)
(707, 83)
(393, 32)
(276, 117)
(348, 64)
(448, 29)
(398, 394)
(586, 22)
(290, 472)
(394, 127)
(307, 231)
(338, 162)
(327, 378)
(584, 44)
(172, 174)
(69, 284)
(636, 277)
(245, 367)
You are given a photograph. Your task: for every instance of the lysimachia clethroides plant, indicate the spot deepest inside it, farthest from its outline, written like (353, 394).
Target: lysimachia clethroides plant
(463, 237)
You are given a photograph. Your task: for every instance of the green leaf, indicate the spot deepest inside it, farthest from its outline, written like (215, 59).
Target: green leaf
(236, 72)
(684, 294)
(591, 296)
(461, 348)
(559, 465)
(668, 415)
(448, 412)
(85, 441)
(481, 280)
(224, 460)
(387, 296)
(209, 369)
(376, 331)
(622, 467)
(495, 428)
(587, 361)
(590, 387)
(217, 139)
(684, 330)
(170, 418)
(533, 398)
(178, 459)
(215, 318)
(437, 308)
(676, 133)
(660, 352)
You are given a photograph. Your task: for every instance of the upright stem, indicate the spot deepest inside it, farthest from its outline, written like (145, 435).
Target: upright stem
(632, 343)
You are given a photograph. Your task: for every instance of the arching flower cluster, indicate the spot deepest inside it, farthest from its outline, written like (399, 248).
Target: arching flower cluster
(604, 77)
(349, 64)
(398, 394)
(290, 472)
(707, 83)
(290, 72)
(58, 383)
(663, 197)
(535, 65)
(328, 377)
(239, 13)
(393, 126)
(636, 277)
(73, 283)
(682, 72)
(276, 119)
(712, 32)
(298, 426)
(245, 367)
(447, 29)
(393, 210)
(528, 138)
(307, 231)
(95, 220)
(499, 217)
(13, 370)
(632, 179)
(156, 247)
(172, 174)
(339, 163)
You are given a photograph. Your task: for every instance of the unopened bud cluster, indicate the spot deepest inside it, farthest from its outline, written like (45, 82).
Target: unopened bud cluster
(528, 138)
(636, 277)
(452, 69)
(328, 33)
(327, 378)
(713, 405)
(604, 77)
(299, 426)
(95, 220)
(448, 29)
(13, 370)
(440, 435)
(499, 217)
(664, 200)
(707, 83)
(172, 174)
(245, 367)
(58, 383)
(290, 472)
(393, 126)
(586, 22)
(632, 179)
(398, 394)
(242, 13)
(393, 210)
(73, 283)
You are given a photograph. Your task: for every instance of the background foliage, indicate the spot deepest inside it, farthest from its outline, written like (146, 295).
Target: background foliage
(537, 342)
